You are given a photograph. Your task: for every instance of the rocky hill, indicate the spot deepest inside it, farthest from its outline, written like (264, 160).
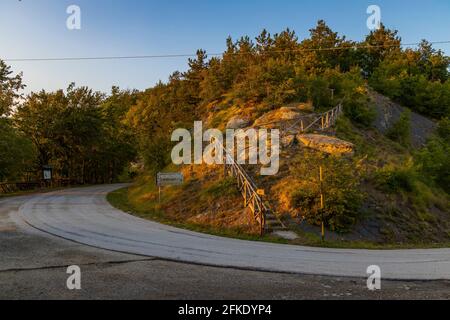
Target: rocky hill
(362, 206)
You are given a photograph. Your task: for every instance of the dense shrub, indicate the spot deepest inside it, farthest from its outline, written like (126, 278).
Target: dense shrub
(400, 131)
(343, 197)
(434, 160)
(417, 79)
(16, 152)
(396, 179)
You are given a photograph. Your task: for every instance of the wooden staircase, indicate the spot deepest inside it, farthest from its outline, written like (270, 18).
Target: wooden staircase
(260, 208)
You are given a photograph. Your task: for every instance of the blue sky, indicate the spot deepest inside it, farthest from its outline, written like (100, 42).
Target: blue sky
(37, 28)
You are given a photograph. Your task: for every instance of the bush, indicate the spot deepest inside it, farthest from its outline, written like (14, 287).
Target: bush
(401, 130)
(434, 160)
(343, 197)
(17, 154)
(359, 112)
(396, 180)
(355, 99)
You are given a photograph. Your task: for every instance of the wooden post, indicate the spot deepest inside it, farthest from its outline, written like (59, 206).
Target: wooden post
(262, 223)
(159, 195)
(245, 194)
(302, 126)
(322, 202)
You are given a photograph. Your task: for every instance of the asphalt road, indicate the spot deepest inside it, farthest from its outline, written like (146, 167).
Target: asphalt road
(33, 263)
(83, 215)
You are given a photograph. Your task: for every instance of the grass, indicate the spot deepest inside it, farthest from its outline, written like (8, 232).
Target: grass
(223, 187)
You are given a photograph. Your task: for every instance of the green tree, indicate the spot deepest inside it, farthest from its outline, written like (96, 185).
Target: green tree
(10, 87)
(377, 46)
(434, 160)
(16, 152)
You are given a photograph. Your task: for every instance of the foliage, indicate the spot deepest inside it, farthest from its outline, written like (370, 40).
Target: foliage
(10, 87)
(418, 79)
(433, 161)
(340, 188)
(379, 44)
(16, 152)
(394, 180)
(400, 131)
(78, 132)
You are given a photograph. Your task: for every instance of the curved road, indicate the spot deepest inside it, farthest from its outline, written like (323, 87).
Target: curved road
(84, 216)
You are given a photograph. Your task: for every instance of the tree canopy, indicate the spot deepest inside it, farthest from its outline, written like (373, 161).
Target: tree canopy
(91, 136)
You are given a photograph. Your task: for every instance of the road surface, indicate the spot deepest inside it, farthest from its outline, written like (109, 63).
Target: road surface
(84, 216)
(33, 265)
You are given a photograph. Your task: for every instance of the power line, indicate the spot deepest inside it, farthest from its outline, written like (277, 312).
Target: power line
(136, 57)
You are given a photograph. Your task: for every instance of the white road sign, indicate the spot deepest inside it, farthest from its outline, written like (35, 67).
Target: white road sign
(169, 179)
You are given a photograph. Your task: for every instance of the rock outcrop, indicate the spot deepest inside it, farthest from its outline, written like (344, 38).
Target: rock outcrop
(326, 144)
(282, 114)
(238, 123)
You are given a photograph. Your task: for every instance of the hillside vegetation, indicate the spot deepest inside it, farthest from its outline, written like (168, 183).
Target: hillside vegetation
(393, 189)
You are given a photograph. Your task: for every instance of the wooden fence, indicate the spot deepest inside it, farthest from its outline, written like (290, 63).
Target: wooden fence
(12, 187)
(248, 189)
(322, 122)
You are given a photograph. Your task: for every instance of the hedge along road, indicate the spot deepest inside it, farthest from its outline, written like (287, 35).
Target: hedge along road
(83, 215)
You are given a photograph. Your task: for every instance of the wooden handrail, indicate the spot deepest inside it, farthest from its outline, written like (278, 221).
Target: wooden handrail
(246, 184)
(248, 188)
(327, 119)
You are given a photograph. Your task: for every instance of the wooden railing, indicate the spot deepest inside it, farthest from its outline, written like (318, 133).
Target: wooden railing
(325, 120)
(248, 189)
(321, 122)
(18, 186)
(245, 183)
(305, 123)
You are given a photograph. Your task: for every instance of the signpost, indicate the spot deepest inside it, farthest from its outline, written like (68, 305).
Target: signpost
(168, 179)
(47, 172)
(47, 175)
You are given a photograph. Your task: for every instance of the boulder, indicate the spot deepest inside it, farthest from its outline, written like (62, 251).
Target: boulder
(282, 114)
(287, 113)
(326, 144)
(238, 123)
(304, 106)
